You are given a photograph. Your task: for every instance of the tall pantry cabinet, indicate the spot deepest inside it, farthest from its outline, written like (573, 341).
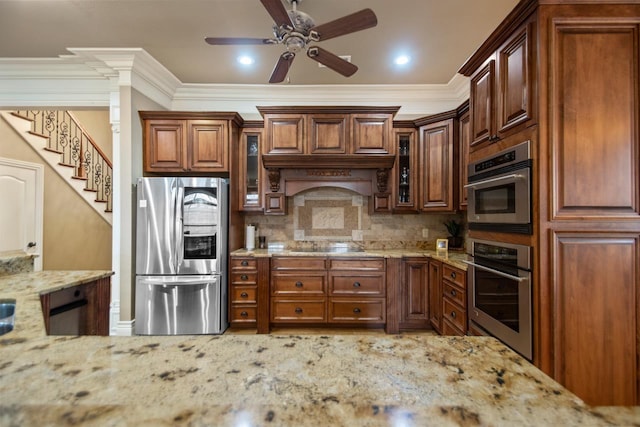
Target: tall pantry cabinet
(584, 60)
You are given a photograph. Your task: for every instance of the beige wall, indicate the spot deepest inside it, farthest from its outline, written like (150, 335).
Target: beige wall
(96, 122)
(75, 236)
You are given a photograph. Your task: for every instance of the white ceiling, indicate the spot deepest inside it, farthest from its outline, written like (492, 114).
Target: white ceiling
(439, 35)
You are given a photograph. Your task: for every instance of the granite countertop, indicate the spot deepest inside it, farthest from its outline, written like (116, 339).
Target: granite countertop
(412, 379)
(452, 258)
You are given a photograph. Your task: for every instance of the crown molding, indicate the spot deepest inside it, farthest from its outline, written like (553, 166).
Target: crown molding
(87, 76)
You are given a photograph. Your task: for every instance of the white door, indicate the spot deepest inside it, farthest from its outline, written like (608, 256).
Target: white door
(21, 207)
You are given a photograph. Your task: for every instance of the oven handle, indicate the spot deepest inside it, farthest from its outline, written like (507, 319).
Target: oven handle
(511, 177)
(498, 272)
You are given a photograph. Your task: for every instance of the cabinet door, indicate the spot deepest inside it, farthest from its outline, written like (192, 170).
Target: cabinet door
(435, 295)
(327, 133)
(596, 330)
(481, 105)
(371, 133)
(165, 146)
(208, 146)
(404, 172)
(464, 143)
(415, 295)
(285, 133)
(513, 68)
(436, 161)
(250, 171)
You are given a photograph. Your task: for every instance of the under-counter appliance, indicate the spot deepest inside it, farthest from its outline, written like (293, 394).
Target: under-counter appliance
(499, 191)
(499, 278)
(181, 256)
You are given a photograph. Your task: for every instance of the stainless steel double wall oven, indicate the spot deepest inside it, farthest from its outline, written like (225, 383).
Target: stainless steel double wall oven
(500, 200)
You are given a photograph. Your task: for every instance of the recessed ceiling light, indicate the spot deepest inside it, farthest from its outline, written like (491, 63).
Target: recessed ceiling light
(402, 60)
(245, 60)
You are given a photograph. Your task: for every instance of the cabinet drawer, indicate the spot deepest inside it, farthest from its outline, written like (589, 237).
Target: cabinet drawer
(298, 284)
(454, 293)
(357, 284)
(243, 263)
(298, 310)
(448, 328)
(454, 314)
(298, 263)
(357, 264)
(357, 310)
(243, 314)
(454, 275)
(243, 277)
(244, 294)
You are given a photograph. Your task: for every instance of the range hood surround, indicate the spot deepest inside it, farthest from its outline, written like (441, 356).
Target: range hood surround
(364, 174)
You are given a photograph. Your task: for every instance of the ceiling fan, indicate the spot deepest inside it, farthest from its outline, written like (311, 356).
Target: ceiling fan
(296, 30)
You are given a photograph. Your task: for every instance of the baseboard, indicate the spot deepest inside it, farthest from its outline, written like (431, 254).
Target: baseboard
(124, 328)
(117, 327)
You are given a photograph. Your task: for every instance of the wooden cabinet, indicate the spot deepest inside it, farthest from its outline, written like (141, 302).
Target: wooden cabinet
(503, 90)
(582, 96)
(357, 290)
(298, 289)
(405, 172)
(92, 302)
(187, 142)
(435, 295)
(327, 130)
(437, 157)
(464, 144)
(250, 171)
(414, 299)
(321, 290)
(243, 292)
(454, 300)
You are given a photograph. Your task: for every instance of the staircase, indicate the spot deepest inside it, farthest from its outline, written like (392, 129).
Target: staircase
(65, 145)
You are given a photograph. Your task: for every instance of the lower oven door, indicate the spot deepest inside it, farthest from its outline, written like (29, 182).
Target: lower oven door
(500, 303)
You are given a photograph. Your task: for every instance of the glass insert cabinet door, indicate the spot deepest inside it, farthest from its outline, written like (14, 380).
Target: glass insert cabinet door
(251, 170)
(404, 178)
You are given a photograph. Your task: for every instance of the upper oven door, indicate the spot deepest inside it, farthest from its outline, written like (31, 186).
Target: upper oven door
(501, 199)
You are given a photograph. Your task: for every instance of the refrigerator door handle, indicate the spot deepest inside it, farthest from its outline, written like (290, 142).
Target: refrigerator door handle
(179, 226)
(161, 281)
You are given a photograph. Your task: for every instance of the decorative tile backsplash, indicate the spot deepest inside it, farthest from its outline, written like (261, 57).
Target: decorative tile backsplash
(337, 215)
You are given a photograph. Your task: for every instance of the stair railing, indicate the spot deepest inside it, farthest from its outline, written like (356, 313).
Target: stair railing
(77, 149)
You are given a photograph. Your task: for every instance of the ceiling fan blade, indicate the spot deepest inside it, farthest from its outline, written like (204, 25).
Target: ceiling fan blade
(281, 69)
(236, 40)
(332, 61)
(347, 24)
(278, 12)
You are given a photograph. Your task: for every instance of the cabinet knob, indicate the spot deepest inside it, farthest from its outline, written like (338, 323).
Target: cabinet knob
(298, 284)
(356, 284)
(356, 310)
(244, 314)
(244, 295)
(298, 310)
(244, 277)
(453, 292)
(244, 263)
(453, 314)
(453, 274)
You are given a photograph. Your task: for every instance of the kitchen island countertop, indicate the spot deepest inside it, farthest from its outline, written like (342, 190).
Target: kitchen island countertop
(237, 379)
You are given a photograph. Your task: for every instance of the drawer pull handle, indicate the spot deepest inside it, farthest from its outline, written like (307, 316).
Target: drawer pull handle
(453, 292)
(356, 284)
(453, 274)
(244, 314)
(298, 310)
(244, 263)
(298, 284)
(356, 310)
(244, 277)
(453, 314)
(244, 295)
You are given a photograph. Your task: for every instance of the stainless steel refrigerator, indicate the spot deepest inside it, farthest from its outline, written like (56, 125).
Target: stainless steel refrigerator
(181, 256)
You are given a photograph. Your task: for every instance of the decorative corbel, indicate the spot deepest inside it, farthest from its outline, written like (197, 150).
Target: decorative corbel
(274, 179)
(382, 178)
